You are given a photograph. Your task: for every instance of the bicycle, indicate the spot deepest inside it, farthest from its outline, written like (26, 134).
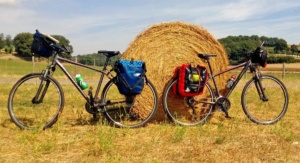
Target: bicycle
(264, 98)
(37, 99)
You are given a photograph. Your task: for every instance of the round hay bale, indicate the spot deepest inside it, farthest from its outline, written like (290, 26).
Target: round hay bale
(167, 45)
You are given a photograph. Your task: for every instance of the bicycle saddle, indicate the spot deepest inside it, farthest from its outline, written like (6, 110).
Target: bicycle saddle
(206, 56)
(108, 53)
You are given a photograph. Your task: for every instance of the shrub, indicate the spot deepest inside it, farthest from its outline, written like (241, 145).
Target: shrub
(282, 59)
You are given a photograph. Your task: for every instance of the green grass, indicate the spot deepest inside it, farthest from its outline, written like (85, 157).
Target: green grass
(17, 68)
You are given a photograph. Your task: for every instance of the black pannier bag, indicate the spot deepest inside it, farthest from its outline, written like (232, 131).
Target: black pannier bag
(260, 56)
(41, 45)
(130, 77)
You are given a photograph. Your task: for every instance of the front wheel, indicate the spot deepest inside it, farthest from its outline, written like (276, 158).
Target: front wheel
(187, 111)
(265, 100)
(31, 110)
(129, 111)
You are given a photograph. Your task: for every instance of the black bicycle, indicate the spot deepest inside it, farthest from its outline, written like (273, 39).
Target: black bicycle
(264, 98)
(37, 99)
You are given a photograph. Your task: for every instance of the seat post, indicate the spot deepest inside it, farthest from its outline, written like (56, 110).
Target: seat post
(212, 76)
(209, 66)
(106, 63)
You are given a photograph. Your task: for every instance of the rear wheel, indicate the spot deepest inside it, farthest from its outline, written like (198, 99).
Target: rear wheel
(187, 111)
(28, 112)
(129, 111)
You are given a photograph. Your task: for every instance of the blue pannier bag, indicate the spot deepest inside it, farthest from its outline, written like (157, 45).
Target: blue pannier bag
(130, 77)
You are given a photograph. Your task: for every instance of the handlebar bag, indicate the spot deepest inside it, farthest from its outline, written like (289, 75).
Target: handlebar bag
(191, 80)
(130, 77)
(260, 56)
(41, 45)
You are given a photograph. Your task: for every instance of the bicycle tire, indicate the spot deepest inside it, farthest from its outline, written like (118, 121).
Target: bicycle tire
(27, 114)
(179, 112)
(129, 111)
(265, 112)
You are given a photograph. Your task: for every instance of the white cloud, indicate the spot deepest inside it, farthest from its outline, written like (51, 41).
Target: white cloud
(9, 2)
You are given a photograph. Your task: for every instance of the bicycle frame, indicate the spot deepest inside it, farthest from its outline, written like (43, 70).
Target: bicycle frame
(246, 65)
(212, 76)
(57, 62)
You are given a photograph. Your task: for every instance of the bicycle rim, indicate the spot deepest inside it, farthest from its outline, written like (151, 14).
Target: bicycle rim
(130, 111)
(265, 111)
(28, 115)
(178, 110)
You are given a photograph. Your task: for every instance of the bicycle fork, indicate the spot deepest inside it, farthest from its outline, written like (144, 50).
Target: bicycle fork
(43, 87)
(260, 89)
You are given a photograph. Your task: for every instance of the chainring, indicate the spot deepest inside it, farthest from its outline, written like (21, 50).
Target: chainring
(222, 104)
(90, 110)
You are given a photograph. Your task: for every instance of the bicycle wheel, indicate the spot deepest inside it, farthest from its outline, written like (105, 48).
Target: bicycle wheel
(269, 110)
(129, 111)
(28, 113)
(187, 111)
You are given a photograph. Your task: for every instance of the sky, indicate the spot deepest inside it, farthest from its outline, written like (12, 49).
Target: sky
(92, 25)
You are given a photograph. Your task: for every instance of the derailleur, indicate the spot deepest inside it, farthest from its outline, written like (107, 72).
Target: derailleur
(190, 102)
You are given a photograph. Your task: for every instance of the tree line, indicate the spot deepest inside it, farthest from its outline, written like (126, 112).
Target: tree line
(235, 46)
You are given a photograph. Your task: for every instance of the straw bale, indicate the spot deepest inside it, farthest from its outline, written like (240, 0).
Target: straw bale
(167, 45)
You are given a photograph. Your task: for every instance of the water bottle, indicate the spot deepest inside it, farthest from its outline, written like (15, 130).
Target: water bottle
(230, 81)
(83, 85)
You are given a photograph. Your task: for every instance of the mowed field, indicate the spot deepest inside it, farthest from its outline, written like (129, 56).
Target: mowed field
(76, 138)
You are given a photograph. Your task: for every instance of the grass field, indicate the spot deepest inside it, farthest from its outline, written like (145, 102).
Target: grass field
(75, 138)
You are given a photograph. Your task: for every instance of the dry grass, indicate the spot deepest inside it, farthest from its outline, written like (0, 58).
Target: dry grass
(289, 67)
(75, 138)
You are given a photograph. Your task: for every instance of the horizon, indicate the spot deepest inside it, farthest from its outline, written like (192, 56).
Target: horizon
(112, 25)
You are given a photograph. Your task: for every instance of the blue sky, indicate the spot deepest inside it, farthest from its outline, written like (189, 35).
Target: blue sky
(92, 25)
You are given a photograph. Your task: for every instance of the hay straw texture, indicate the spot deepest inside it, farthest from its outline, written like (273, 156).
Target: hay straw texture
(167, 45)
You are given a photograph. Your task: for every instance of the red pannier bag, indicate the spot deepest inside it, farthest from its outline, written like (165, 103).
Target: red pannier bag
(191, 80)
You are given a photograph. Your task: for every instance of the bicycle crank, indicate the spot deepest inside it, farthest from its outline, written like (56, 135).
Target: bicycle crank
(223, 104)
(91, 110)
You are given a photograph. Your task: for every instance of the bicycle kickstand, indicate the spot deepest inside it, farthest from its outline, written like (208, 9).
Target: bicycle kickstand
(226, 113)
(90, 93)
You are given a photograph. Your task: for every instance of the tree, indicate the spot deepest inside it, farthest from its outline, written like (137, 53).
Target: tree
(8, 40)
(2, 41)
(22, 43)
(235, 46)
(8, 49)
(280, 46)
(294, 48)
(63, 41)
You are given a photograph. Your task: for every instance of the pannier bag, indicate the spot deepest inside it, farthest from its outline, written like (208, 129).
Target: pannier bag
(260, 56)
(191, 80)
(41, 45)
(130, 76)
